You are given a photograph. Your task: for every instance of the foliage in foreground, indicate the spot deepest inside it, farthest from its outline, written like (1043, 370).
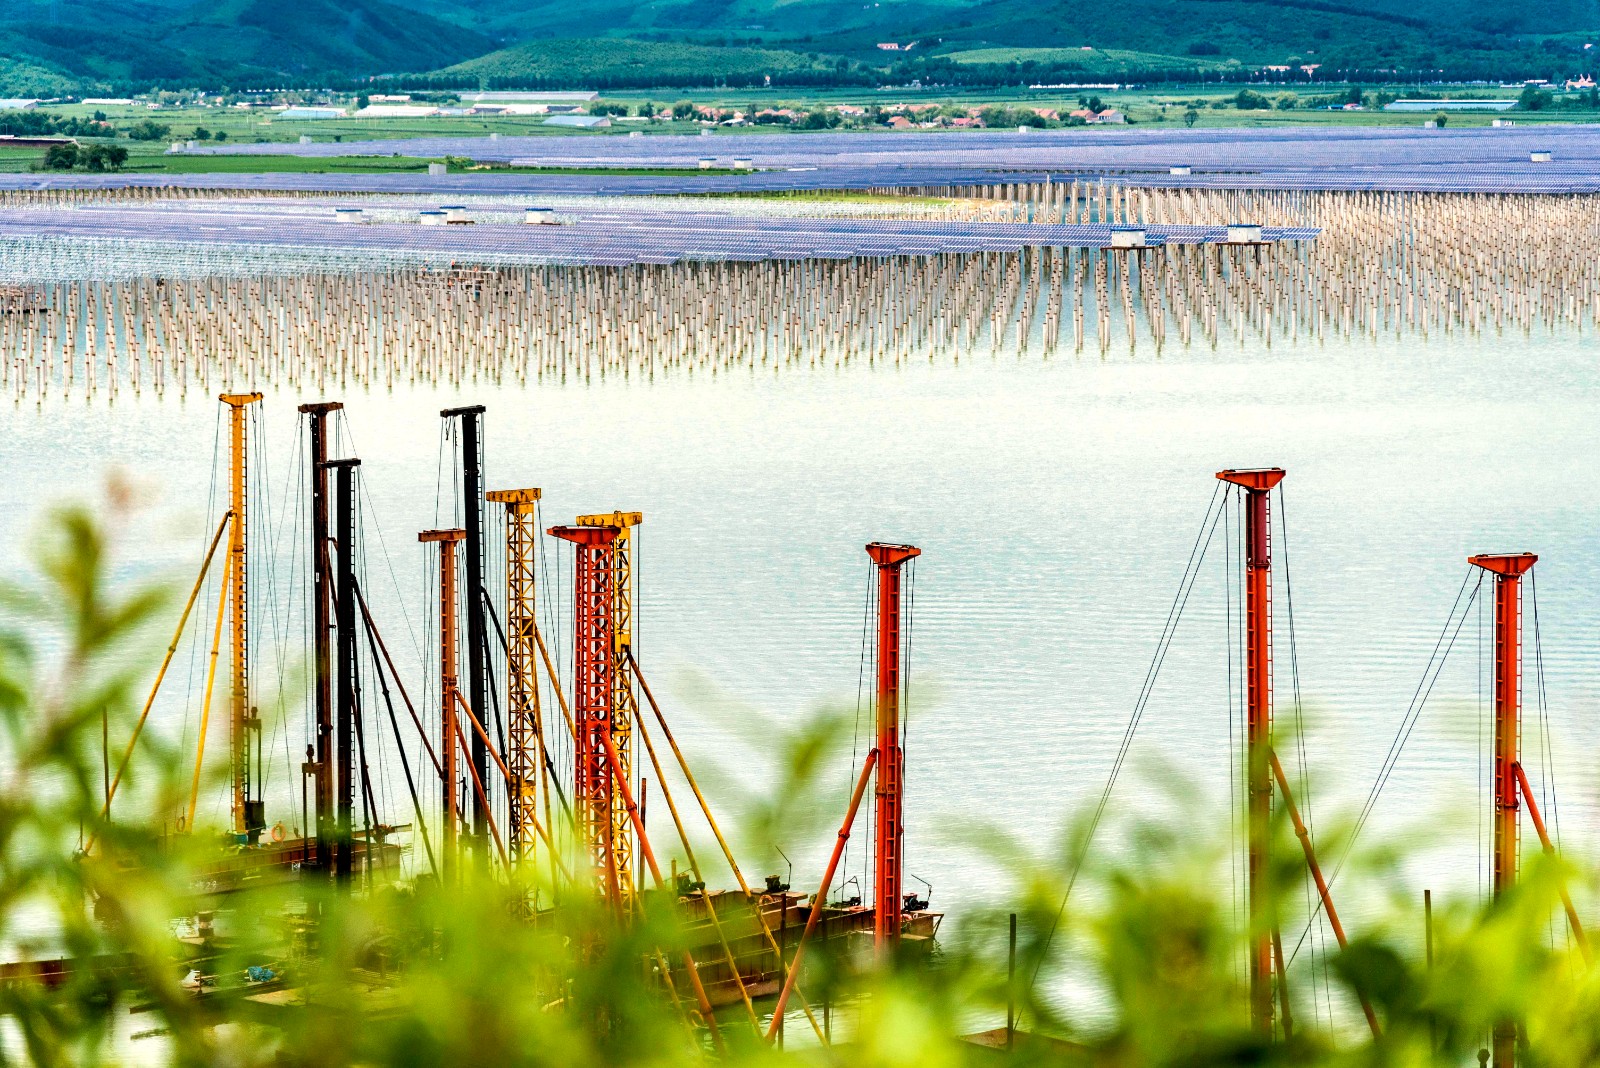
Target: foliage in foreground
(423, 975)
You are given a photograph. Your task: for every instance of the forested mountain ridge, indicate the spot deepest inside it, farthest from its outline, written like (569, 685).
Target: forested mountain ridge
(55, 46)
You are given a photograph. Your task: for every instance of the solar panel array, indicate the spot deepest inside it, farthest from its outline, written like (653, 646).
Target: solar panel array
(1398, 158)
(192, 236)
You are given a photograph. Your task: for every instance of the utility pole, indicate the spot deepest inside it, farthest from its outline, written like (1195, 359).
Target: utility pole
(249, 814)
(448, 688)
(1257, 485)
(889, 826)
(345, 502)
(1507, 569)
(594, 668)
(477, 634)
(321, 763)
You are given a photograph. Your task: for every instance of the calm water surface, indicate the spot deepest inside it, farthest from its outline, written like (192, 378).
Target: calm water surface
(1055, 502)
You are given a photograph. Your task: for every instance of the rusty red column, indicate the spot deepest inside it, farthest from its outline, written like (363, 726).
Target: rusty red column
(1257, 484)
(1507, 569)
(889, 832)
(449, 675)
(593, 664)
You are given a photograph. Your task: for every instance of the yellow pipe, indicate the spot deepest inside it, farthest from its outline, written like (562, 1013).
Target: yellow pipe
(727, 853)
(555, 679)
(166, 662)
(694, 866)
(506, 773)
(205, 708)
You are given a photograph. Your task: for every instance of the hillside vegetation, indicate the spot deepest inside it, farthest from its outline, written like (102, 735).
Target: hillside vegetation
(49, 47)
(606, 62)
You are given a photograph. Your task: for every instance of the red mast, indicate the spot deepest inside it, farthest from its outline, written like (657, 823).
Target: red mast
(1507, 569)
(887, 887)
(593, 664)
(1257, 484)
(449, 675)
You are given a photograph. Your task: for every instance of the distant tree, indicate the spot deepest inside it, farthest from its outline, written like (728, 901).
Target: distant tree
(105, 157)
(201, 134)
(647, 109)
(1354, 96)
(1533, 99)
(222, 135)
(1440, 119)
(149, 130)
(1094, 105)
(1286, 102)
(683, 109)
(62, 157)
(1191, 117)
(363, 101)
(99, 116)
(1250, 100)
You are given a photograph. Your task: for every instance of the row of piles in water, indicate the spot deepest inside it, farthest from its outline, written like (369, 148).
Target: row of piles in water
(1384, 263)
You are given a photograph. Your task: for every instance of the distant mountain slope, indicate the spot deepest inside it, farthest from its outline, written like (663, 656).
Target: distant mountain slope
(59, 43)
(609, 61)
(52, 46)
(1151, 25)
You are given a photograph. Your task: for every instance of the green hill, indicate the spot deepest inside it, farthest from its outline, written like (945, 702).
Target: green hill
(53, 46)
(607, 62)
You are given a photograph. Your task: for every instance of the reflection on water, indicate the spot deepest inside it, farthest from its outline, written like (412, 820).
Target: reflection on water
(1055, 502)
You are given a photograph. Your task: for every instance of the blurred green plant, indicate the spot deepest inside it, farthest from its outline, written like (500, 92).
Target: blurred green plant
(1142, 966)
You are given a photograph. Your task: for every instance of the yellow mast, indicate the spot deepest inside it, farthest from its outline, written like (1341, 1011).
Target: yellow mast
(624, 706)
(524, 719)
(248, 816)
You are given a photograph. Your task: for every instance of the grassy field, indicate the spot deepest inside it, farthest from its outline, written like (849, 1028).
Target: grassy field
(1093, 60)
(1212, 106)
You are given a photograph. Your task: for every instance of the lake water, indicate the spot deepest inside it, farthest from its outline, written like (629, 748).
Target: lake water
(1055, 502)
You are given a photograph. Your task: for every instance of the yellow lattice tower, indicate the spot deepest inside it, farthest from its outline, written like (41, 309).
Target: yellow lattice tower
(524, 757)
(247, 815)
(624, 705)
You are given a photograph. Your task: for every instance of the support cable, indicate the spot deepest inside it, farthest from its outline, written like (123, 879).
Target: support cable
(172, 648)
(394, 725)
(1430, 677)
(1197, 553)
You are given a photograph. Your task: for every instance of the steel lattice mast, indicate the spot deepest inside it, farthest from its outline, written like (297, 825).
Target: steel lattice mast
(247, 809)
(1257, 484)
(1507, 570)
(448, 686)
(593, 694)
(525, 724)
(624, 700)
(889, 829)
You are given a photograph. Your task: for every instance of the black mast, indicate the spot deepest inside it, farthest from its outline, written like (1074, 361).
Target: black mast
(345, 608)
(472, 600)
(318, 766)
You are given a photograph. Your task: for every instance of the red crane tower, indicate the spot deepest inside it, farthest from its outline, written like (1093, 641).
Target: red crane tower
(594, 665)
(1507, 569)
(888, 884)
(1257, 484)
